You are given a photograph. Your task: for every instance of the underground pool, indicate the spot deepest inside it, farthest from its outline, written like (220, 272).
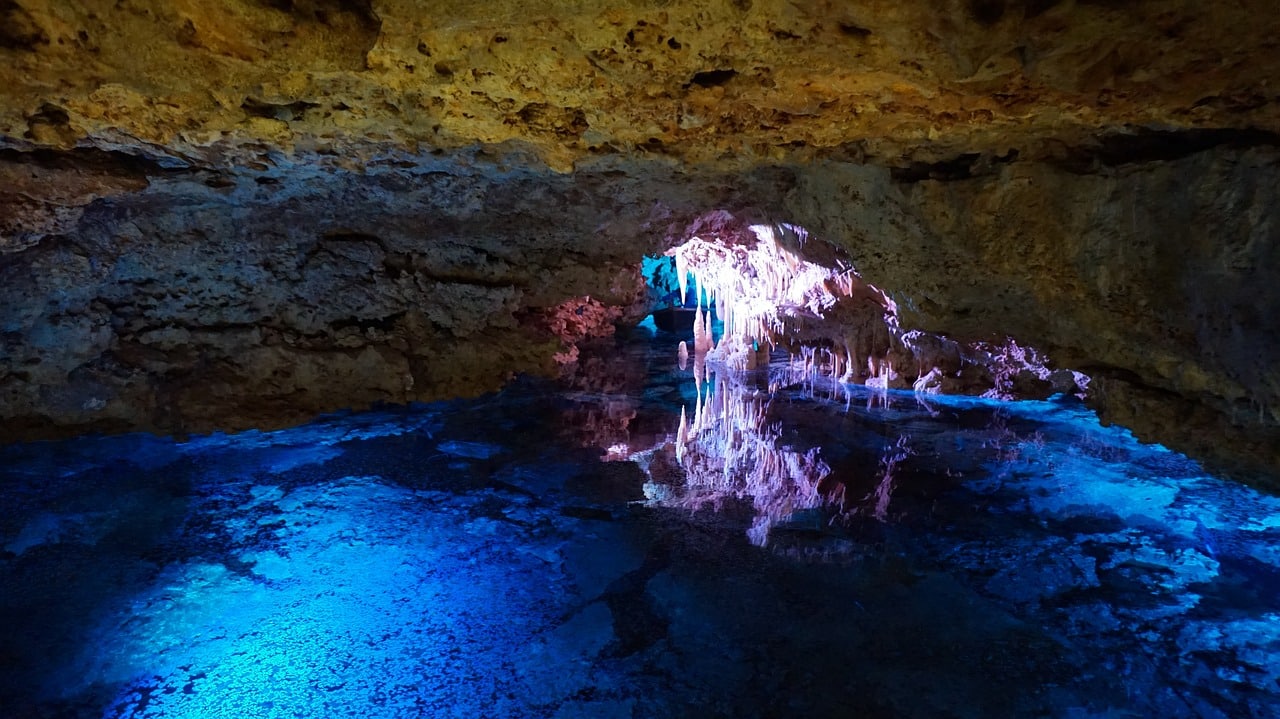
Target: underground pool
(646, 537)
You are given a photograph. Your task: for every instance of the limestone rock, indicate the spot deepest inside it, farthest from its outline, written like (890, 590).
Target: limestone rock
(216, 216)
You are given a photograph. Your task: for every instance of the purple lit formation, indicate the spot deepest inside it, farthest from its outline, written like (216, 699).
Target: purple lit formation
(774, 287)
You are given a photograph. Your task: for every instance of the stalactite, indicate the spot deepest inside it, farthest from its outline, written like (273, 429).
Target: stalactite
(761, 291)
(766, 293)
(682, 275)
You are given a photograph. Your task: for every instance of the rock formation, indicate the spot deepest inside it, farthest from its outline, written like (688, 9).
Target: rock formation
(238, 215)
(775, 288)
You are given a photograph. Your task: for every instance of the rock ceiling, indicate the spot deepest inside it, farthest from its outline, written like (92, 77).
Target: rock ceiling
(737, 83)
(219, 215)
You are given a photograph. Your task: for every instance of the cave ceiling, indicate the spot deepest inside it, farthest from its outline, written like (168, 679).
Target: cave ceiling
(733, 84)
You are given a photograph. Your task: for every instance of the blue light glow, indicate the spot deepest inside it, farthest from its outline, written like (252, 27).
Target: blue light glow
(480, 558)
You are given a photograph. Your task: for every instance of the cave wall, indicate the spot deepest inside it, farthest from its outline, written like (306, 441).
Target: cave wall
(203, 302)
(211, 300)
(1155, 277)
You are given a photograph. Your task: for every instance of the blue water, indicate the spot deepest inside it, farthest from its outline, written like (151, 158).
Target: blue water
(541, 552)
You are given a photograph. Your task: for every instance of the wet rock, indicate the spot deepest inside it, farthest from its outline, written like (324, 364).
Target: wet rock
(1039, 577)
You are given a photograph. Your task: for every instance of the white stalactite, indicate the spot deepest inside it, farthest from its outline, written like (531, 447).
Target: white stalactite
(767, 295)
(682, 275)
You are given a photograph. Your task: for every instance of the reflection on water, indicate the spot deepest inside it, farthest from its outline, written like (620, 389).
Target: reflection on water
(730, 448)
(791, 547)
(1110, 544)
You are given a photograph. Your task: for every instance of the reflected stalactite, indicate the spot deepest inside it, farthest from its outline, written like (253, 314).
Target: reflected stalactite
(726, 446)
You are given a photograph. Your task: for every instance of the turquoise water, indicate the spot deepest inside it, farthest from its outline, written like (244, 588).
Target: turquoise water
(815, 550)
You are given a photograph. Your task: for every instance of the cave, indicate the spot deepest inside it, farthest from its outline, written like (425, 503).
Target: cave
(745, 358)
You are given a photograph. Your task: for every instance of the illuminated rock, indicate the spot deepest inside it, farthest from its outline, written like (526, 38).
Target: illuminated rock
(1095, 179)
(776, 287)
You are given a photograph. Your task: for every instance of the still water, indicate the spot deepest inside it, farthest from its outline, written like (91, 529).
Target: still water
(577, 549)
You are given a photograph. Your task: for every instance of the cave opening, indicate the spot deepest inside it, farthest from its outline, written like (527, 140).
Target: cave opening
(744, 294)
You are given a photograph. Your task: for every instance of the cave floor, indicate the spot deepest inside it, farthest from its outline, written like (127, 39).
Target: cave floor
(481, 558)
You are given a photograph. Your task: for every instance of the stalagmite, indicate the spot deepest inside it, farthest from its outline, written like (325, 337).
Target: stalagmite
(701, 332)
(682, 433)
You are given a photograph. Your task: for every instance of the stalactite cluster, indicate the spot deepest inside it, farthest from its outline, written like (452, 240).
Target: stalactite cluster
(774, 287)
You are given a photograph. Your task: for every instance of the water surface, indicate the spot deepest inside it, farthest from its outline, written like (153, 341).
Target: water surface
(563, 549)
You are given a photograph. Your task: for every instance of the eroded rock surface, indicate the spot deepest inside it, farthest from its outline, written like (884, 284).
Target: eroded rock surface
(1157, 278)
(190, 307)
(244, 214)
